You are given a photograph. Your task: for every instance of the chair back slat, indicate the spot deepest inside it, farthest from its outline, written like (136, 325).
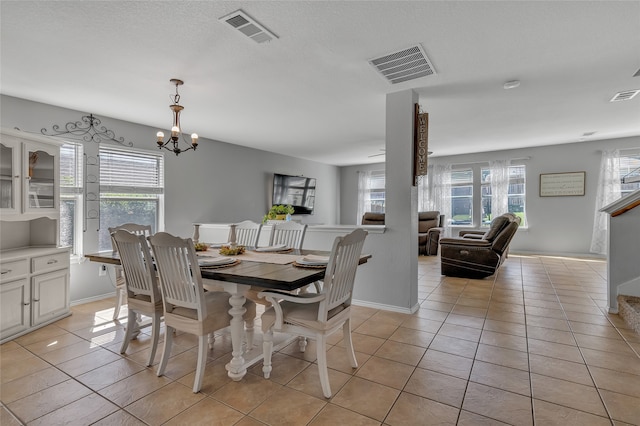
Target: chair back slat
(341, 270)
(136, 261)
(133, 228)
(247, 233)
(289, 233)
(180, 278)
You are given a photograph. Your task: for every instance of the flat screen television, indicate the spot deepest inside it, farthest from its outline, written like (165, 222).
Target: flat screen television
(299, 191)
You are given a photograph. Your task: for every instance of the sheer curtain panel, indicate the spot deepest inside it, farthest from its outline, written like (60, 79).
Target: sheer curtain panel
(608, 192)
(364, 194)
(499, 187)
(434, 192)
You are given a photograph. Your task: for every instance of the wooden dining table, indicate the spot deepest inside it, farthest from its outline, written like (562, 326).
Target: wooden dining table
(253, 270)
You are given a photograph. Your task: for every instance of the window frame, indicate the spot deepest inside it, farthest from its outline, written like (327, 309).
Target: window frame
(378, 176)
(116, 188)
(629, 163)
(460, 184)
(74, 192)
(485, 171)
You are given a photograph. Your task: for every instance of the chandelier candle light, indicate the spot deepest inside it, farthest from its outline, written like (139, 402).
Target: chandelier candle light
(175, 130)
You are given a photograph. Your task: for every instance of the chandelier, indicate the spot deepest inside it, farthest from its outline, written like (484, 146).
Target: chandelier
(176, 131)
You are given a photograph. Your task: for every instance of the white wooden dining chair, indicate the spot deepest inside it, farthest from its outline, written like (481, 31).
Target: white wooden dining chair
(247, 233)
(318, 315)
(141, 284)
(187, 307)
(292, 234)
(121, 291)
(289, 233)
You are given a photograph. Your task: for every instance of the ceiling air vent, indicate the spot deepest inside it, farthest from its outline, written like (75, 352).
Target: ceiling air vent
(637, 74)
(248, 26)
(627, 95)
(404, 65)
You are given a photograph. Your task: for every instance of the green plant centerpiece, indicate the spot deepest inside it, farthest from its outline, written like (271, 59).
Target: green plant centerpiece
(278, 212)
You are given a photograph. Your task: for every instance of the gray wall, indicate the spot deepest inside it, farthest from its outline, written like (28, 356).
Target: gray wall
(556, 225)
(220, 182)
(226, 183)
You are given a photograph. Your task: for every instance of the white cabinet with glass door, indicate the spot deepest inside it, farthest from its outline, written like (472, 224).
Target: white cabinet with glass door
(34, 283)
(10, 154)
(29, 176)
(41, 180)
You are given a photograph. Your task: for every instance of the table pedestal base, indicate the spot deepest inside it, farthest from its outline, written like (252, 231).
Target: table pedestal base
(243, 357)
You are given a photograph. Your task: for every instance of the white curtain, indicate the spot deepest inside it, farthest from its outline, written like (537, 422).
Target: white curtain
(434, 192)
(499, 170)
(364, 191)
(608, 192)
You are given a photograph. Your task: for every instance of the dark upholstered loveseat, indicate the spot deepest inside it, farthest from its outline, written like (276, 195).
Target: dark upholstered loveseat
(478, 254)
(428, 229)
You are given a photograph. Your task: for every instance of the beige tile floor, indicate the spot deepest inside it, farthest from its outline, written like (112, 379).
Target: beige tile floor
(530, 345)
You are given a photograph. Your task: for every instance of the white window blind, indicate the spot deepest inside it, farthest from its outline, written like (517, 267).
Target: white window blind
(71, 168)
(131, 172)
(71, 181)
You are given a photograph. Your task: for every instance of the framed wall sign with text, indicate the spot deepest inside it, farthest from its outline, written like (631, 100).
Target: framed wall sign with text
(420, 144)
(562, 184)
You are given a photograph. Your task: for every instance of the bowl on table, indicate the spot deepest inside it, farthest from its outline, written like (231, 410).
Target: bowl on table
(231, 250)
(201, 246)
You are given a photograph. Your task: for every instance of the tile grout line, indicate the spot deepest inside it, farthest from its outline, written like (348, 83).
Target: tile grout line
(610, 417)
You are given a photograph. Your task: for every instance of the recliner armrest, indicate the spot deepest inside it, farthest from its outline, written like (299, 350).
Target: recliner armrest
(471, 234)
(467, 242)
(435, 230)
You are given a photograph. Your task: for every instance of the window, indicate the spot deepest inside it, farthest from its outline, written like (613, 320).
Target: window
(462, 197)
(516, 194)
(629, 173)
(71, 197)
(371, 192)
(131, 190)
(376, 192)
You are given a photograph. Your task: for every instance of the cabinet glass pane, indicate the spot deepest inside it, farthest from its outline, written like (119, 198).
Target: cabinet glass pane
(6, 177)
(41, 179)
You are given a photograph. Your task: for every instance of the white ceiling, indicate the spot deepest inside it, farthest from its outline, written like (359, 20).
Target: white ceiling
(312, 93)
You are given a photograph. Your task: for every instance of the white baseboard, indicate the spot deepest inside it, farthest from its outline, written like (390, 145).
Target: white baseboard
(557, 254)
(386, 307)
(92, 299)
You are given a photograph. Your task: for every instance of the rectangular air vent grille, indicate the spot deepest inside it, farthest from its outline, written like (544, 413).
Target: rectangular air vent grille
(248, 26)
(404, 65)
(627, 95)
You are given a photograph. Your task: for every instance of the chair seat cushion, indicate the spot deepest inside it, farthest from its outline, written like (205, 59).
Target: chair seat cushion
(305, 315)
(142, 303)
(218, 317)
(120, 282)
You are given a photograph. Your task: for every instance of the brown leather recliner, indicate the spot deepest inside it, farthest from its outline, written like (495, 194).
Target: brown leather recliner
(429, 229)
(373, 218)
(476, 254)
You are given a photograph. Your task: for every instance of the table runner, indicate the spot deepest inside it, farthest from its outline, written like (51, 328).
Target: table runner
(253, 256)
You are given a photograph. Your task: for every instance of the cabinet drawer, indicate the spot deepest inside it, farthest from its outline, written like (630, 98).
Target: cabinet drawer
(13, 269)
(49, 262)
